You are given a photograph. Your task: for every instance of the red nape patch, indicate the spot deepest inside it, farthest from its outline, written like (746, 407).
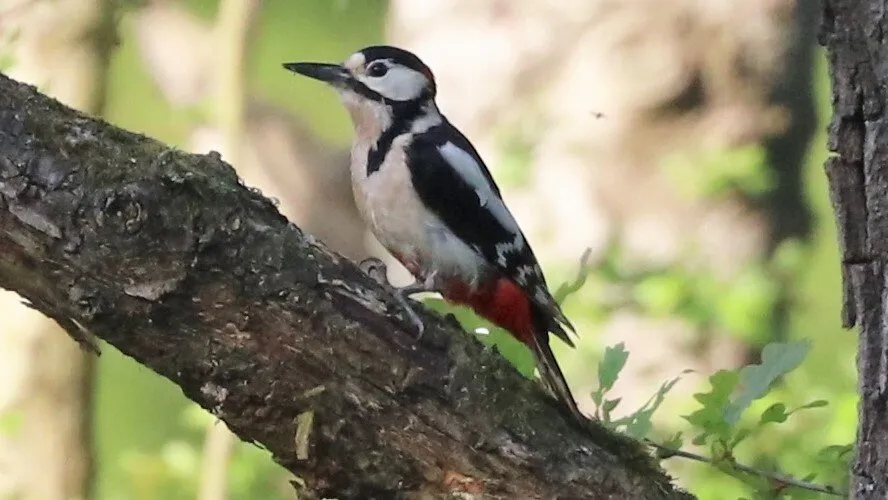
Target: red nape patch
(502, 302)
(427, 72)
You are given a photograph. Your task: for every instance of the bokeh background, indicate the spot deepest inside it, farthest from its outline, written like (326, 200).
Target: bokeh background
(681, 142)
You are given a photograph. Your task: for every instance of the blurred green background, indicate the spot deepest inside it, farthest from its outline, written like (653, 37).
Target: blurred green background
(150, 440)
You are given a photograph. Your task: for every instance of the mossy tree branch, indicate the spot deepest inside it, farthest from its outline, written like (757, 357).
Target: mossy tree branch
(169, 258)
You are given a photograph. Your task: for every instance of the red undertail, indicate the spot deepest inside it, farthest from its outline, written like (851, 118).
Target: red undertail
(501, 302)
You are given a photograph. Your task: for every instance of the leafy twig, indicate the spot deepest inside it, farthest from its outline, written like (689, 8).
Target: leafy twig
(780, 480)
(568, 289)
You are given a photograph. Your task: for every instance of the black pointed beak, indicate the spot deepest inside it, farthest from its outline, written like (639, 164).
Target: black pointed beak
(330, 73)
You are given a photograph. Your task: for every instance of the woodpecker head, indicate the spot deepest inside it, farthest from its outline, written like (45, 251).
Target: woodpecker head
(382, 83)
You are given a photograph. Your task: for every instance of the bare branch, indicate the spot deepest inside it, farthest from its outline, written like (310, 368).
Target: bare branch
(777, 480)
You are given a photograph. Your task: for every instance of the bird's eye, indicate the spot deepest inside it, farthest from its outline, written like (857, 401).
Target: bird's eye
(377, 69)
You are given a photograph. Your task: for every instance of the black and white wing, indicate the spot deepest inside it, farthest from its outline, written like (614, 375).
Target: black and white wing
(453, 182)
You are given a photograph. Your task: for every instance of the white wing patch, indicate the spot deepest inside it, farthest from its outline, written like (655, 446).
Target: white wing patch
(470, 171)
(466, 166)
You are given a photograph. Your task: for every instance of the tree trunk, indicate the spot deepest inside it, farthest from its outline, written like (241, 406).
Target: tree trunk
(854, 33)
(169, 258)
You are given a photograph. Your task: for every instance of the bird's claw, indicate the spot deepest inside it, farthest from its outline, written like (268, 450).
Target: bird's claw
(376, 269)
(403, 296)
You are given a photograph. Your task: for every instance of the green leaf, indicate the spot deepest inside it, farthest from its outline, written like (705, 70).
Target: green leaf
(569, 288)
(710, 417)
(639, 423)
(775, 413)
(819, 403)
(835, 451)
(611, 365)
(675, 442)
(700, 439)
(720, 453)
(739, 437)
(611, 404)
(755, 380)
(608, 407)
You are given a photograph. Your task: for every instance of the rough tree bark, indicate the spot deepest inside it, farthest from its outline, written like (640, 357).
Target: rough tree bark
(854, 33)
(169, 258)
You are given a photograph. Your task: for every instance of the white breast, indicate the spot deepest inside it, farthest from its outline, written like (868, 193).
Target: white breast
(399, 220)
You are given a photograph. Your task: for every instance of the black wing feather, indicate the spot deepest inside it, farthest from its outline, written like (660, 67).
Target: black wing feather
(456, 202)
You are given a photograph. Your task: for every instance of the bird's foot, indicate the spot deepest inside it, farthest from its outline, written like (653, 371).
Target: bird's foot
(377, 270)
(403, 295)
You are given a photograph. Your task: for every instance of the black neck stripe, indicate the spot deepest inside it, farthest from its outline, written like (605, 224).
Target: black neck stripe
(404, 114)
(365, 91)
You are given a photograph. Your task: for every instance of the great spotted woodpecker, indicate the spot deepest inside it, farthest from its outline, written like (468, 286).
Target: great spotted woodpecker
(429, 199)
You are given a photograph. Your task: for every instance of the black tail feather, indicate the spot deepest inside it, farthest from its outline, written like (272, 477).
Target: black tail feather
(553, 377)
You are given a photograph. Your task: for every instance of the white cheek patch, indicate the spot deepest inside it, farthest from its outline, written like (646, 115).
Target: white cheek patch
(399, 84)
